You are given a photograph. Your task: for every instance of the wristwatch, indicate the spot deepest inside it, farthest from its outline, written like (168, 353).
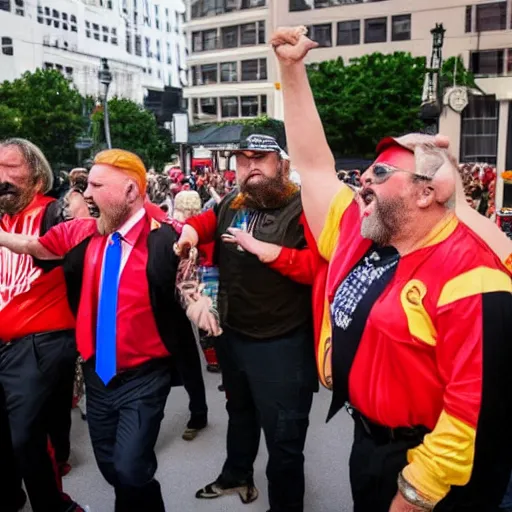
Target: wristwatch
(413, 496)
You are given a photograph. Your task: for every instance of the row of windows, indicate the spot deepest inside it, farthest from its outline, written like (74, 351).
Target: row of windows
(491, 62)
(52, 17)
(19, 6)
(92, 30)
(245, 71)
(106, 3)
(230, 106)
(204, 8)
(487, 17)
(7, 46)
(306, 5)
(67, 69)
(375, 31)
(229, 37)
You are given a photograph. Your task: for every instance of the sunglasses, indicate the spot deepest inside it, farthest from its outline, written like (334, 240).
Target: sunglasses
(382, 172)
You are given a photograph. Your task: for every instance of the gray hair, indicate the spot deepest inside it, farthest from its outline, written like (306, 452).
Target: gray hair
(36, 161)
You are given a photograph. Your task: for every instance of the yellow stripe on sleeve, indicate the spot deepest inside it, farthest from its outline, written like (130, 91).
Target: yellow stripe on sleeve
(445, 458)
(476, 281)
(328, 239)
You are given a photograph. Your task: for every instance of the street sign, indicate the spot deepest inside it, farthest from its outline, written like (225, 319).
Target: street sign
(84, 143)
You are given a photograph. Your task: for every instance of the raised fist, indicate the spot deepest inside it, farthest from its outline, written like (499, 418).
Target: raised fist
(291, 44)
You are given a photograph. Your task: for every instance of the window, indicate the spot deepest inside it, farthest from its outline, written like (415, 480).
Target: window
(113, 40)
(261, 32)
(168, 26)
(401, 27)
(157, 17)
(229, 106)
(263, 102)
(69, 71)
(479, 130)
(249, 106)
(487, 62)
(322, 34)
(138, 46)
(228, 72)
(194, 72)
(248, 34)
(254, 69)
(168, 52)
(159, 73)
(209, 40)
(88, 33)
(195, 107)
(299, 5)
(73, 18)
(5, 5)
(229, 37)
(491, 16)
(65, 26)
(375, 30)
(40, 19)
(47, 11)
(7, 46)
(509, 65)
(349, 33)
(104, 28)
(208, 106)
(96, 36)
(65, 18)
(114, 31)
(48, 21)
(250, 4)
(87, 24)
(55, 13)
(209, 74)
(148, 47)
(56, 23)
(74, 28)
(469, 18)
(105, 38)
(48, 65)
(109, 4)
(59, 67)
(158, 52)
(96, 27)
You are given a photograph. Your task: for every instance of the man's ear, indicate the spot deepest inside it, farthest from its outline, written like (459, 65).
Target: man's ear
(426, 196)
(132, 191)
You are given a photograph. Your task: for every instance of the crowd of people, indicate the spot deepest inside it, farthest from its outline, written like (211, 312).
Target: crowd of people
(385, 286)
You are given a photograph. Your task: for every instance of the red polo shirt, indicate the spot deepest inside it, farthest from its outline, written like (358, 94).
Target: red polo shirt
(138, 340)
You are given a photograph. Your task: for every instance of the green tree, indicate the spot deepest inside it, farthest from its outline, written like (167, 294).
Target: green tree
(43, 107)
(454, 67)
(368, 98)
(135, 129)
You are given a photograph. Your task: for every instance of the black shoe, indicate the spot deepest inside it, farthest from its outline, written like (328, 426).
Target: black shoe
(196, 423)
(247, 491)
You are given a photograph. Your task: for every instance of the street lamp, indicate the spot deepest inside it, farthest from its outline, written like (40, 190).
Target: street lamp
(430, 110)
(105, 78)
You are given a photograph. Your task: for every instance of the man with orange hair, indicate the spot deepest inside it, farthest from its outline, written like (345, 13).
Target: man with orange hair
(120, 271)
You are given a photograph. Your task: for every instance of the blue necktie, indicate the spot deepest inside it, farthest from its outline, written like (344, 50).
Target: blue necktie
(107, 312)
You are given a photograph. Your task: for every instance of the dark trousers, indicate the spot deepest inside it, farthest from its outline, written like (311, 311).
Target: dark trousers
(269, 384)
(30, 370)
(59, 413)
(191, 374)
(374, 469)
(124, 422)
(10, 480)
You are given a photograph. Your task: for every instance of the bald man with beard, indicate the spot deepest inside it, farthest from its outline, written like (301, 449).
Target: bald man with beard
(120, 273)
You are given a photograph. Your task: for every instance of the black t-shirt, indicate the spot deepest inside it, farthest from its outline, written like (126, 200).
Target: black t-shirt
(350, 309)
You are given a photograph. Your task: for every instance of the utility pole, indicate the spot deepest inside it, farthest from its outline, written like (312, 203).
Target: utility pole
(105, 78)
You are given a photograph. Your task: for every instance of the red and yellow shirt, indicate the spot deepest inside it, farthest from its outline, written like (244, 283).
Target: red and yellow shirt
(420, 357)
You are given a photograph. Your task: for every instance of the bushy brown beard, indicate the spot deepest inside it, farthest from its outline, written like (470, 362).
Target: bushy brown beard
(16, 201)
(266, 194)
(110, 221)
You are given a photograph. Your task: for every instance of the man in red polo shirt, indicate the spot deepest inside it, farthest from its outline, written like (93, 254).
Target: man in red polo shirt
(120, 271)
(37, 345)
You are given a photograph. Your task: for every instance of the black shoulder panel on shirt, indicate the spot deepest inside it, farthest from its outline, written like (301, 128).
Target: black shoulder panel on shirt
(492, 464)
(53, 215)
(73, 272)
(173, 325)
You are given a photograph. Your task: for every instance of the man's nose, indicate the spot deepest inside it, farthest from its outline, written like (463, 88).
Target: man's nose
(87, 193)
(366, 178)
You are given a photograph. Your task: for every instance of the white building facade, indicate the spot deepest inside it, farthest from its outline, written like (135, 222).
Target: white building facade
(143, 41)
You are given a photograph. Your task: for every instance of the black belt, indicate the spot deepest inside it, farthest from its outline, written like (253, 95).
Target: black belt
(384, 435)
(36, 336)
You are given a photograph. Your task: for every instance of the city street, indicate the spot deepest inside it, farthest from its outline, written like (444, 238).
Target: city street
(185, 466)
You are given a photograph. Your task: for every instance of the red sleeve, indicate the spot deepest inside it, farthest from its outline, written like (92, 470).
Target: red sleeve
(297, 264)
(205, 224)
(60, 239)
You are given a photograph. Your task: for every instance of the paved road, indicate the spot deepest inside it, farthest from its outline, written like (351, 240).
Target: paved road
(184, 466)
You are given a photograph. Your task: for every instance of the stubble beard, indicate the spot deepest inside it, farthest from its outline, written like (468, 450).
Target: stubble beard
(383, 224)
(110, 221)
